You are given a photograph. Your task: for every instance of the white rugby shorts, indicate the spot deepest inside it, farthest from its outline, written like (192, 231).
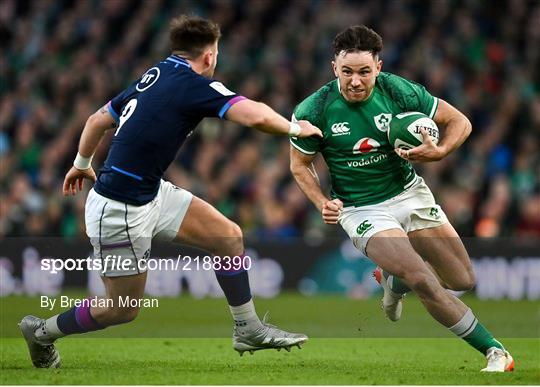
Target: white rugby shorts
(413, 209)
(124, 232)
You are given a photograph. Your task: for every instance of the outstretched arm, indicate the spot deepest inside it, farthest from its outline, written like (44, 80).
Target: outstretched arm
(305, 175)
(262, 117)
(455, 129)
(94, 130)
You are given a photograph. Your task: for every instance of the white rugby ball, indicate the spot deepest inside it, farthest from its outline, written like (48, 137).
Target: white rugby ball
(405, 130)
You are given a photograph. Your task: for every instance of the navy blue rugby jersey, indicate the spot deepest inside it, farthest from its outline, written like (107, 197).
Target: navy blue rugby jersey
(155, 115)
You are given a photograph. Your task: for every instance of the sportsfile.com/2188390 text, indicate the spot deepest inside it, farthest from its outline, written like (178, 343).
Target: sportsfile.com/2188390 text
(117, 262)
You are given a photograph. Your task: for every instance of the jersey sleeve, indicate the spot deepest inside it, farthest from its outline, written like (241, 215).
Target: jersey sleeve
(209, 98)
(116, 104)
(409, 96)
(310, 110)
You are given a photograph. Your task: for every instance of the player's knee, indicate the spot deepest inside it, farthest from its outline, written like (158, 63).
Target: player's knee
(420, 283)
(471, 279)
(233, 243)
(465, 282)
(235, 231)
(414, 281)
(130, 314)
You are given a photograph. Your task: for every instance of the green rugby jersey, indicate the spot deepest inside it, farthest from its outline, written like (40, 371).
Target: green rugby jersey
(363, 166)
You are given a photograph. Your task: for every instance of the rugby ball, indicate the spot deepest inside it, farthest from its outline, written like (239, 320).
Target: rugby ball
(405, 129)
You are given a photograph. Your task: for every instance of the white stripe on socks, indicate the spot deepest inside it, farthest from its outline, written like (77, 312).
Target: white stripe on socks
(466, 325)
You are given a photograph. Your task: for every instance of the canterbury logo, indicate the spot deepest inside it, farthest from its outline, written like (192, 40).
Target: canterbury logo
(340, 128)
(364, 227)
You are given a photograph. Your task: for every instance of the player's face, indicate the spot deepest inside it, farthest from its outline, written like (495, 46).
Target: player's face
(356, 72)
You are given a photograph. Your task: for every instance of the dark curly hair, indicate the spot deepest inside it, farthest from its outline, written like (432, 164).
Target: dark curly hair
(357, 38)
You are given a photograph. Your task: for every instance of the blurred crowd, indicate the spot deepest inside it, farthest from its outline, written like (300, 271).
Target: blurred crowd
(60, 61)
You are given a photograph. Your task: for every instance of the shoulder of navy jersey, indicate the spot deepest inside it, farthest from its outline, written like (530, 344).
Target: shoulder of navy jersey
(195, 94)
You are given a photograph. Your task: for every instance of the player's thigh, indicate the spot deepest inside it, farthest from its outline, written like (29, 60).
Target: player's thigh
(120, 234)
(392, 251)
(172, 204)
(376, 232)
(444, 250)
(361, 223)
(433, 237)
(206, 228)
(125, 286)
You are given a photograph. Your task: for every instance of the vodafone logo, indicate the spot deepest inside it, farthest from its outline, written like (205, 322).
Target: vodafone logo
(365, 145)
(340, 129)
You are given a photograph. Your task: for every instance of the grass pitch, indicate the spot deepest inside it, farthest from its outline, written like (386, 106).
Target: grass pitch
(187, 341)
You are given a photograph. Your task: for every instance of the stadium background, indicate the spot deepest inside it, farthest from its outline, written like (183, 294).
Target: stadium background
(61, 60)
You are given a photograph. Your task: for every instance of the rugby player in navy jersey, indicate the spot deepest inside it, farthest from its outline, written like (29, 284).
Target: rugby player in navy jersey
(130, 204)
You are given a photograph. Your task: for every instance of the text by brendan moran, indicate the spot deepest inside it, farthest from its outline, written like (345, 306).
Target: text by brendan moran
(98, 302)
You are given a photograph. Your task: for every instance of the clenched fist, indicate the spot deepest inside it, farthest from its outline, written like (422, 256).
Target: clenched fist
(331, 210)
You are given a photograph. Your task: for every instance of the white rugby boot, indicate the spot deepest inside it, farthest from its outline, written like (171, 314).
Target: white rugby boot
(43, 355)
(266, 336)
(498, 361)
(392, 303)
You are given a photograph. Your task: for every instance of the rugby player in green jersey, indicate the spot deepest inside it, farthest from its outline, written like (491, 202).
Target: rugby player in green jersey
(384, 206)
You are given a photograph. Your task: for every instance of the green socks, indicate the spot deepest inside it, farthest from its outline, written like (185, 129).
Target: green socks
(468, 328)
(474, 333)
